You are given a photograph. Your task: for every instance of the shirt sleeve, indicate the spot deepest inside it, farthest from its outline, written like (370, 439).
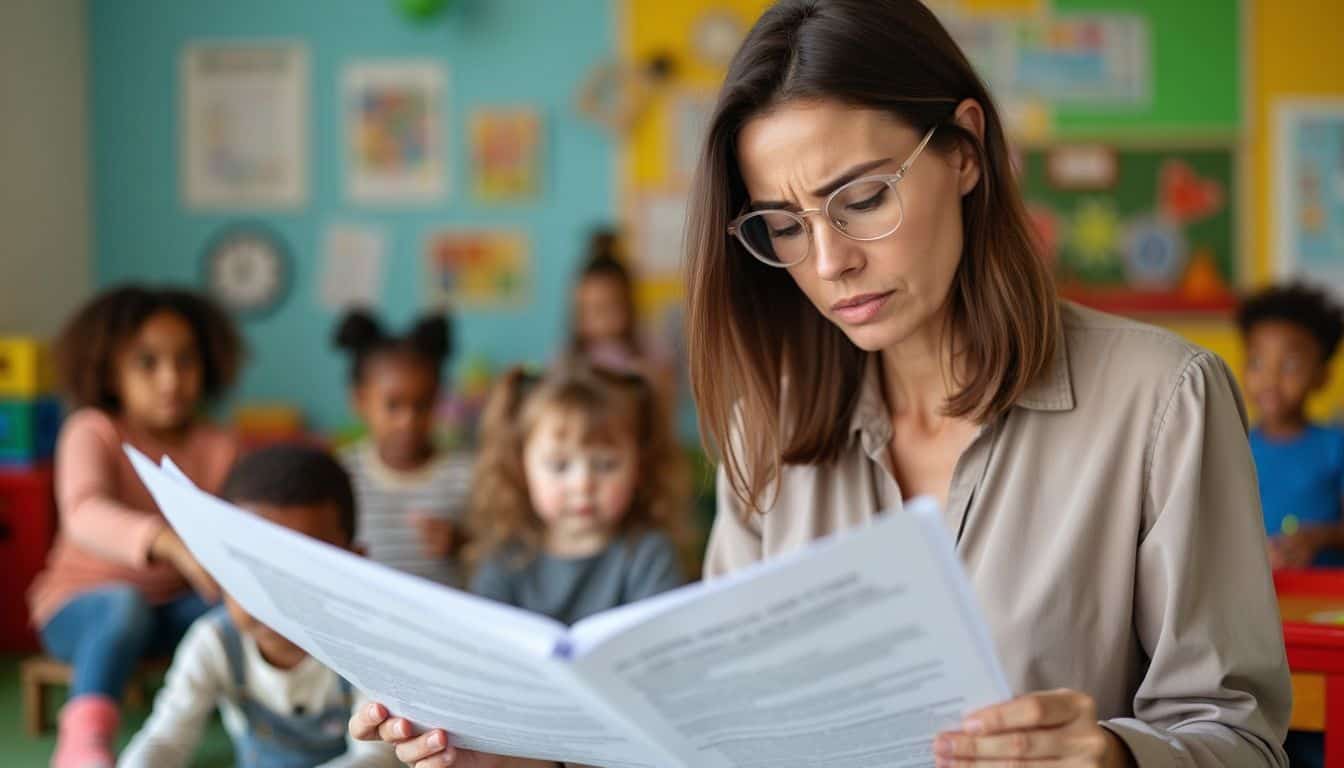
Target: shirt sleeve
(654, 569)
(363, 754)
(1216, 691)
(199, 675)
(86, 494)
(734, 540)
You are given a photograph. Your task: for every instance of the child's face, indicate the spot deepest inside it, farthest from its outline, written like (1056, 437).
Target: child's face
(396, 401)
(1283, 367)
(159, 376)
(601, 313)
(578, 488)
(322, 522)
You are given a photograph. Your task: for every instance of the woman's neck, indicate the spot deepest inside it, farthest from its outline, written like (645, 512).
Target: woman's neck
(919, 374)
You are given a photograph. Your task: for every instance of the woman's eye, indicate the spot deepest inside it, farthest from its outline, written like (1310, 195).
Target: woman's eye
(868, 203)
(557, 465)
(605, 464)
(793, 230)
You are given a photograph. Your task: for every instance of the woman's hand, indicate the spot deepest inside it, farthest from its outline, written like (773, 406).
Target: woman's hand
(167, 547)
(427, 750)
(1058, 728)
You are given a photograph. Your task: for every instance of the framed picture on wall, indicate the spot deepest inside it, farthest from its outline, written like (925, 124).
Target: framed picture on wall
(1309, 195)
(394, 142)
(244, 125)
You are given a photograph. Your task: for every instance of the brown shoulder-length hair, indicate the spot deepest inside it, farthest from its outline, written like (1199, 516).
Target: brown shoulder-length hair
(750, 329)
(605, 406)
(86, 350)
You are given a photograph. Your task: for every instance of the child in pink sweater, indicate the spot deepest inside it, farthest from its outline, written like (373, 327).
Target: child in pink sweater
(138, 363)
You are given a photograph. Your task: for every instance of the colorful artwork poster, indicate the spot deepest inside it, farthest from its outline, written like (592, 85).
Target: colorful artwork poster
(1036, 62)
(394, 137)
(245, 125)
(1160, 240)
(479, 269)
(1309, 206)
(506, 145)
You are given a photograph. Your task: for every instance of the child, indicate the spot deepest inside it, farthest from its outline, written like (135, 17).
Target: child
(139, 363)
(280, 706)
(578, 495)
(604, 327)
(411, 495)
(1290, 334)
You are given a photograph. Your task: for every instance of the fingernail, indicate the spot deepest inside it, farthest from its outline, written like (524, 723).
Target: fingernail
(942, 746)
(373, 710)
(974, 726)
(404, 729)
(436, 741)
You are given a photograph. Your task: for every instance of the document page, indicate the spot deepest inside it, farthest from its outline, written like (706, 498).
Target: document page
(853, 653)
(483, 671)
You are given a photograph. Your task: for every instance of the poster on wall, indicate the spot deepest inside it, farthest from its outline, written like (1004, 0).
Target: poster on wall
(352, 269)
(393, 131)
(691, 115)
(660, 221)
(506, 154)
(1309, 199)
(244, 125)
(1035, 62)
(478, 269)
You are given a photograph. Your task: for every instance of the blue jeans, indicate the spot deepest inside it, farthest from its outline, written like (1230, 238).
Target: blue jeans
(104, 633)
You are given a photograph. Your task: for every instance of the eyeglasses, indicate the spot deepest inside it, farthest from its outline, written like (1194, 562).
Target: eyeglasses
(867, 208)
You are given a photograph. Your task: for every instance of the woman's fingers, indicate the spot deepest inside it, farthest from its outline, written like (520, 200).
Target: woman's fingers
(1038, 710)
(364, 723)
(422, 747)
(1058, 743)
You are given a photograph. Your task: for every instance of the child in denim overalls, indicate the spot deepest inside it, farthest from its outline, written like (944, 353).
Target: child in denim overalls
(281, 707)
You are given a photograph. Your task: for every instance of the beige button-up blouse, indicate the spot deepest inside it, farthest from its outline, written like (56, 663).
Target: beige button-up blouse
(1110, 524)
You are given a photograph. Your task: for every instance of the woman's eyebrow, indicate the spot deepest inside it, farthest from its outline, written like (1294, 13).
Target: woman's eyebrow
(848, 175)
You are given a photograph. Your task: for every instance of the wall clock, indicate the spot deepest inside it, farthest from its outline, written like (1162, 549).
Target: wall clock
(247, 270)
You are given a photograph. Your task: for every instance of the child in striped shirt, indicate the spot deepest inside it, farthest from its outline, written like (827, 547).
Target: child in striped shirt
(411, 495)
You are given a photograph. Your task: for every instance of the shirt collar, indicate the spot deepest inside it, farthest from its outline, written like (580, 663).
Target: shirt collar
(1052, 391)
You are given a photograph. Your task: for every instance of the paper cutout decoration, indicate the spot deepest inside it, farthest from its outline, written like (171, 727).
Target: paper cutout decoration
(1155, 254)
(1184, 196)
(1096, 232)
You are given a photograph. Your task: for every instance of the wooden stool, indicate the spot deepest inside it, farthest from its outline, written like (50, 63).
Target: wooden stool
(37, 673)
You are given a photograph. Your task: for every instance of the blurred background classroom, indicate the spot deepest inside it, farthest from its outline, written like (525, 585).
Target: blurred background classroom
(295, 158)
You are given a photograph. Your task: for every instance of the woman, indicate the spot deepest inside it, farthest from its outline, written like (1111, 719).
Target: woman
(866, 306)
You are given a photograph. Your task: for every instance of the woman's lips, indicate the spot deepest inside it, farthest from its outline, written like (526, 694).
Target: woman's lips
(857, 310)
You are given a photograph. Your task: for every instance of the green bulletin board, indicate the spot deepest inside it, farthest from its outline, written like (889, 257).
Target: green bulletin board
(1159, 238)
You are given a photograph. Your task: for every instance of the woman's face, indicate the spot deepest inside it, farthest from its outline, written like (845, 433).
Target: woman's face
(880, 292)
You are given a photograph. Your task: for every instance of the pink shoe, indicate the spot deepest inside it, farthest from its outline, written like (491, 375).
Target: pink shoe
(87, 733)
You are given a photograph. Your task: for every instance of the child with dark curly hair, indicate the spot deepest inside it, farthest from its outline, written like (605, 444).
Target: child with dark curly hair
(1291, 333)
(138, 363)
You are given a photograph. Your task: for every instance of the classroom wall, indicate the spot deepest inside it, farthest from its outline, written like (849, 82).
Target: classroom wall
(44, 153)
(497, 52)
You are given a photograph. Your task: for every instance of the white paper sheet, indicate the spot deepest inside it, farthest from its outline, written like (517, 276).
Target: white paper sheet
(442, 658)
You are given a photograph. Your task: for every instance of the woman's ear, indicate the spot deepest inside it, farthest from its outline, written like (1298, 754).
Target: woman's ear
(970, 117)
